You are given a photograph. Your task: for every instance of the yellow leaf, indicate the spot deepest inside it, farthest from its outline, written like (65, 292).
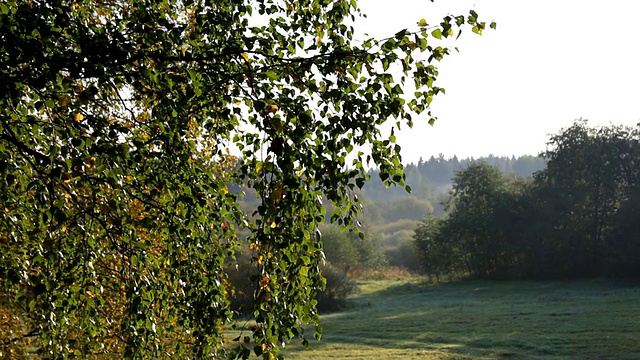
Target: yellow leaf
(264, 283)
(245, 56)
(272, 108)
(273, 224)
(276, 195)
(64, 100)
(78, 117)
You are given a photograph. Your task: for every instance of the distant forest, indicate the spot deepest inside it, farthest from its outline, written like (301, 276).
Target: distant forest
(391, 215)
(577, 218)
(431, 178)
(571, 213)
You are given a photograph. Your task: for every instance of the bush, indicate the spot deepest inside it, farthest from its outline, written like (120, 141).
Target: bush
(344, 248)
(241, 288)
(382, 273)
(339, 287)
(405, 255)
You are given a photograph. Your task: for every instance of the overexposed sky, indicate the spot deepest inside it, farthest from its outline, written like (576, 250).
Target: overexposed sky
(548, 63)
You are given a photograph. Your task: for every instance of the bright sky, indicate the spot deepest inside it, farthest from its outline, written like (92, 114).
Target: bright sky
(548, 63)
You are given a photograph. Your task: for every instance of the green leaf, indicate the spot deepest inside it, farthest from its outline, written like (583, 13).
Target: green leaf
(271, 75)
(257, 350)
(437, 33)
(119, 164)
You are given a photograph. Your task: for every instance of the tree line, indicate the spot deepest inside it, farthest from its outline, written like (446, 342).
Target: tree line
(576, 218)
(429, 178)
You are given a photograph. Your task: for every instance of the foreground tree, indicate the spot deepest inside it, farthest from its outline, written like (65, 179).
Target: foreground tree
(115, 126)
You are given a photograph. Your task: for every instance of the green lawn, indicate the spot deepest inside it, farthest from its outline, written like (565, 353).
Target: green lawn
(412, 319)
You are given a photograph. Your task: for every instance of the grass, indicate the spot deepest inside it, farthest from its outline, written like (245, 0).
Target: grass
(411, 319)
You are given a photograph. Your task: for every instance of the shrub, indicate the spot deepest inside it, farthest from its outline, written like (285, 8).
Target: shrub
(339, 287)
(405, 255)
(241, 288)
(382, 273)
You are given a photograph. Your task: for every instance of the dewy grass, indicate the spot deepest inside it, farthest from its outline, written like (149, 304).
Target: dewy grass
(412, 319)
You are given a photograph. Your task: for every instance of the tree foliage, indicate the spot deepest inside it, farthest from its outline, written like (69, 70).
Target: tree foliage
(428, 179)
(434, 248)
(116, 121)
(576, 218)
(477, 198)
(346, 250)
(590, 172)
(475, 236)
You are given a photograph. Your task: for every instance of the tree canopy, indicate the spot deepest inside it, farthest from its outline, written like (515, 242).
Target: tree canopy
(576, 218)
(118, 126)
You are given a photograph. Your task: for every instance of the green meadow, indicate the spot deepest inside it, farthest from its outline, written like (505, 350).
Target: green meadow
(414, 319)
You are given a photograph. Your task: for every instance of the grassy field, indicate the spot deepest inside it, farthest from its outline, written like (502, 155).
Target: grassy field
(411, 319)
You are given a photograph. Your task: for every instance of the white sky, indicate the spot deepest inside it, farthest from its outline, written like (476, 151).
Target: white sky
(548, 63)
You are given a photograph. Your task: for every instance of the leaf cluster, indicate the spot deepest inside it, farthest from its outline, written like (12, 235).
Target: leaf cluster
(116, 123)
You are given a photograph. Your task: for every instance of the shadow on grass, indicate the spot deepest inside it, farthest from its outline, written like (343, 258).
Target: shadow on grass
(484, 319)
